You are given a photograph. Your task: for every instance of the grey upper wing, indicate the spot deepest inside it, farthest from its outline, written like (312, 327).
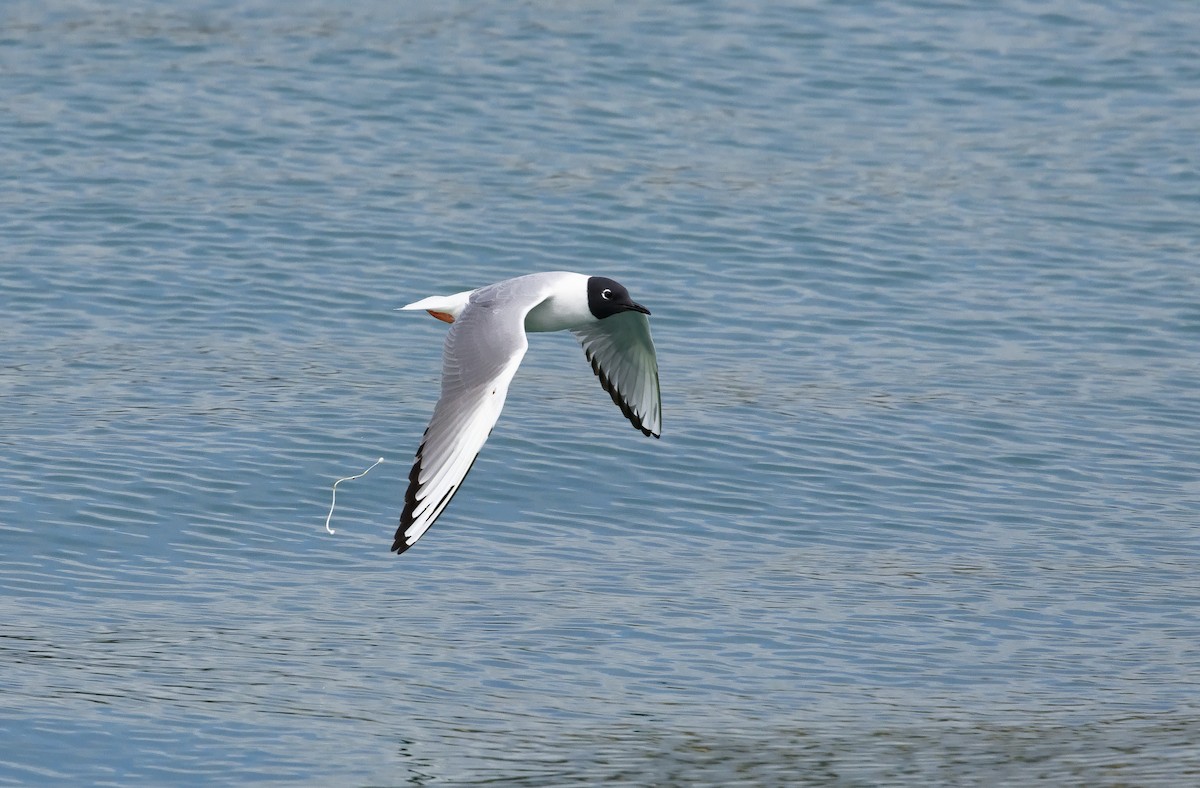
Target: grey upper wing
(622, 356)
(483, 349)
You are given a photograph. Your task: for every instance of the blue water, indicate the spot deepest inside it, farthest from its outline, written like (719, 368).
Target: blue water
(924, 278)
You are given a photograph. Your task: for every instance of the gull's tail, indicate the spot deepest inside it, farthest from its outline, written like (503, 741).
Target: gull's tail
(444, 308)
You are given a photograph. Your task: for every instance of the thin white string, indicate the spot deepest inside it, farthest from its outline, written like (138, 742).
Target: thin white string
(333, 503)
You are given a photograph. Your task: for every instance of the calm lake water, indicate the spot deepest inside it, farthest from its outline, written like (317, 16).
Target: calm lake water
(925, 279)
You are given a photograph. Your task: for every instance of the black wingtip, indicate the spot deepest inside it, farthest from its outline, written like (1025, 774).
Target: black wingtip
(410, 502)
(399, 545)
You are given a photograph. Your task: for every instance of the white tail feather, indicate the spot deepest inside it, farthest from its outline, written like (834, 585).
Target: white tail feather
(452, 305)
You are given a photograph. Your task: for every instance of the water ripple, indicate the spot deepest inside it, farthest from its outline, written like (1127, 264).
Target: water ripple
(923, 290)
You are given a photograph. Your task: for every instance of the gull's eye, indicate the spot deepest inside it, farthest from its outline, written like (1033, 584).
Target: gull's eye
(606, 294)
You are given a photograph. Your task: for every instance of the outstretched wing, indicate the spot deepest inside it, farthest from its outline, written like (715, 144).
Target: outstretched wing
(622, 356)
(483, 349)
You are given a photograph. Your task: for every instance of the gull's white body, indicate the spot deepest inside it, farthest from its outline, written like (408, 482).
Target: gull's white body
(483, 349)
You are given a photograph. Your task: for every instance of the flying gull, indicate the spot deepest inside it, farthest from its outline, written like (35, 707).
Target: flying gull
(483, 349)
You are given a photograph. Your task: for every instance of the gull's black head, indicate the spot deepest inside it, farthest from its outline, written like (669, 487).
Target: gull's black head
(607, 298)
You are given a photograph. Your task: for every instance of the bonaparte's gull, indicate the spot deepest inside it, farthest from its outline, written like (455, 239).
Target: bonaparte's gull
(483, 349)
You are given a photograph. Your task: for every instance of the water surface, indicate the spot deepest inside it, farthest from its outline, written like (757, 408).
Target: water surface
(924, 290)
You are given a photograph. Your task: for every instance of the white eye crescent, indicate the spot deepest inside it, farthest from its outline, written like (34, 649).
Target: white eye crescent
(606, 294)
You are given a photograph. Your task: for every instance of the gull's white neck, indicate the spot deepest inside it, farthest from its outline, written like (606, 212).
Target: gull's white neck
(565, 307)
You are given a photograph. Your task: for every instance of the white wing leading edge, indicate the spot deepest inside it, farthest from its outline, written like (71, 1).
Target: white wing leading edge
(622, 356)
(483, 349)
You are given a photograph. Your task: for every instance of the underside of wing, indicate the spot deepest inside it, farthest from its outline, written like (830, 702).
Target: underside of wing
(622, 355)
